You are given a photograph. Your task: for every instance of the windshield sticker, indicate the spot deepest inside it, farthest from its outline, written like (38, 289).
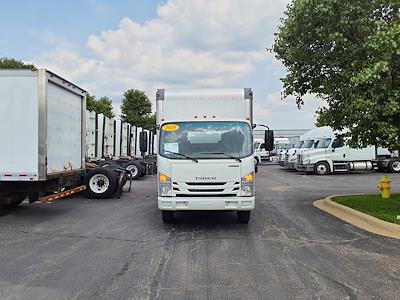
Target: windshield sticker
(171, 147)
(170, 127)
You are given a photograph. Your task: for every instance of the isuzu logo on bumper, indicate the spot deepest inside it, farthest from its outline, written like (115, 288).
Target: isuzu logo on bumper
(205, 178)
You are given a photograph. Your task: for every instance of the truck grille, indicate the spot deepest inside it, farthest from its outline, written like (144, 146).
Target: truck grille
(206, 189)
(286, 159)
(299, 159)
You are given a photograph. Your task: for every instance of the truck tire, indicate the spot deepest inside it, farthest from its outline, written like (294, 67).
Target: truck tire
(243, 216)
(100, 183)
(322, 168)
(12, 200)
(106, 163)
(394, 166)
(167, 216)
(136, 168)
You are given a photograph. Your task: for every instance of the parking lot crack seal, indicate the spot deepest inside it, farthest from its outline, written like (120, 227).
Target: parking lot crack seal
(77, 236)
(350, 291)
(156, 279)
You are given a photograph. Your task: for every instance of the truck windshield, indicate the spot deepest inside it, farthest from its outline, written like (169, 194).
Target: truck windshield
(308, 144)
(324, 143)
(201, 140)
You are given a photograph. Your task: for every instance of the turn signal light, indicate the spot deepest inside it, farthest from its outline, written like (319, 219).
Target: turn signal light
(249, 177)
(163, 178)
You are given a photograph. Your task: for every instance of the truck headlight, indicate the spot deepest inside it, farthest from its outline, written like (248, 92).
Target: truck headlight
(247, 189)
(164, 186)
(307, 161)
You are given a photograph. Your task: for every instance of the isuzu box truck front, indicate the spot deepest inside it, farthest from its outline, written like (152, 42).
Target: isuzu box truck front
(205, 158)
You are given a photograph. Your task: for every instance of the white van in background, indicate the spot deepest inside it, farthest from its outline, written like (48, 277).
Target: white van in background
(260, 154)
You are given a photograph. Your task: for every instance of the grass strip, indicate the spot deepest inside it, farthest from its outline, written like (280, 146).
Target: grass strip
(374, 205)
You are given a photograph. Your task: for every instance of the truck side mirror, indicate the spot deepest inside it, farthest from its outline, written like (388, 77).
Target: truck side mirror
(269, 140)
(143, 141)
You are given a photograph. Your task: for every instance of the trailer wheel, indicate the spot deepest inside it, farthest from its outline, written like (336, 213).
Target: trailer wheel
(394, 166)
(100, 183)
(243, 216)
(136, 169)
(321, 168)
(12, 199)
(167, 216)
(106, 163)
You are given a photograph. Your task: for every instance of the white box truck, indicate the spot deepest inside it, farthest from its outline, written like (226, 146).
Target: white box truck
(42, 124)
(333, 155)
(205, 159)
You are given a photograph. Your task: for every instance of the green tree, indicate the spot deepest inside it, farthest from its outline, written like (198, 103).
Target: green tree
(11, 63)
(100, 106)
(136, 109)
(348, 53)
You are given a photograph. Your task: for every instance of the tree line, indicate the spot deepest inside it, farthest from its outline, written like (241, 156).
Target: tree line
(136, 108)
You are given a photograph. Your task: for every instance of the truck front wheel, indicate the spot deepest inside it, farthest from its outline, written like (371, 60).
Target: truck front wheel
(394, 166)
(167, 216)
(321, 168)
(243, 216)
(100, 183)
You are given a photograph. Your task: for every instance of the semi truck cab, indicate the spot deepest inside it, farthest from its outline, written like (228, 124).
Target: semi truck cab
(333, 155)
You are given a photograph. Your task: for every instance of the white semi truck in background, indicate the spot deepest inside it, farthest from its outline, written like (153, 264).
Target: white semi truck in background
(333, 155)
(42, 124)
(307, 142)
(205, 159)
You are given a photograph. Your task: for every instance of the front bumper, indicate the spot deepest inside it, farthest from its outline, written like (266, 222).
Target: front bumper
(206, 203)
(305, 168)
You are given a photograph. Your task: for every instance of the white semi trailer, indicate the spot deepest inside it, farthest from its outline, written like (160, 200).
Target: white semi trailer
(205, 159)
(42, 124)
(111, 141)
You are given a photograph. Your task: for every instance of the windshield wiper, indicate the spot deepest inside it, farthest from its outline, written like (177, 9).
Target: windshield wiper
(223, 153)
(183, 155)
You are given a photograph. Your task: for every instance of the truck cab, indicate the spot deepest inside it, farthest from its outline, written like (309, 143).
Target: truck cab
(205, 158)
(307, 142)
(333, 155)
(260, 154)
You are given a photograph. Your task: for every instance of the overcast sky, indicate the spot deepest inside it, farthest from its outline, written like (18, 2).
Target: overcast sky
(107, 47)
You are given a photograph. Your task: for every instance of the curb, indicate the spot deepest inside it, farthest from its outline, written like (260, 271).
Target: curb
(358, 219)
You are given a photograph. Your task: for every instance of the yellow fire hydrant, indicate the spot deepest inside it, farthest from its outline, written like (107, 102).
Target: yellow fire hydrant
(385, 186)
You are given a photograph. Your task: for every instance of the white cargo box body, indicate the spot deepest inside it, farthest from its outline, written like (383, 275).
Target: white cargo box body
(121, 138)
(42, 124)
(204, 105)
(91, 132)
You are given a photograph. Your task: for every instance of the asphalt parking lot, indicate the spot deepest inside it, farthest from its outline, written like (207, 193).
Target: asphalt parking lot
(119, 248)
